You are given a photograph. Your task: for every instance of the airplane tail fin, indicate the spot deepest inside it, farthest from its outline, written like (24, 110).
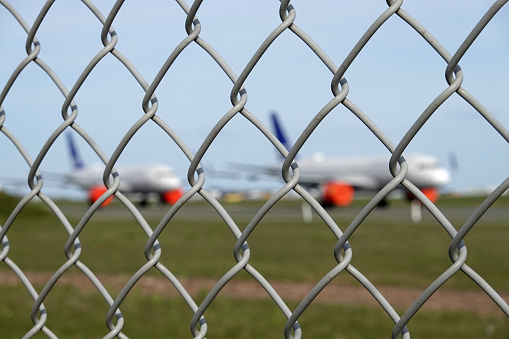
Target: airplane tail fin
(77, 162)
(278, 131)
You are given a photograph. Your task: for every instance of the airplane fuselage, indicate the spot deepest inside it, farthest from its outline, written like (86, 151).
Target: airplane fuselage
(369, 172)
(133, 179)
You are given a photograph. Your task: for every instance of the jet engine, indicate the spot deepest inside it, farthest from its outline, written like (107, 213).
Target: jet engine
(337, 194)
(95, 193)
(430, 192)
(171, 197)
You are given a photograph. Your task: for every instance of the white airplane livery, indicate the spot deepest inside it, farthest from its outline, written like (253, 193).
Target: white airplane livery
(142, 179)
(338, 178)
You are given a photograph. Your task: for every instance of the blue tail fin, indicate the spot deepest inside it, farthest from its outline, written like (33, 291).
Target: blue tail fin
(77, 163)
(278, 131)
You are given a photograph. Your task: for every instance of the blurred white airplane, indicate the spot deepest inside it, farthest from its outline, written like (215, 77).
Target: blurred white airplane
(141, 179)
(337, 178)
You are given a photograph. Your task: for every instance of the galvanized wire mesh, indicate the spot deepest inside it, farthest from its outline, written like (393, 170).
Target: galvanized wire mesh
(196, 175)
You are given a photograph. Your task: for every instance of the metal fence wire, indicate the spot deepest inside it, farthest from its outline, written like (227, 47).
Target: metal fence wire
(196, 175)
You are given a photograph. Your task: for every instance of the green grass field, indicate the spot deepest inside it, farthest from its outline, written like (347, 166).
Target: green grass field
(77, 314)
(387, 248)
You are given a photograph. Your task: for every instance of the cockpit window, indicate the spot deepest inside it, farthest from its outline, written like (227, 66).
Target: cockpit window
(163, 174)
(423, 166)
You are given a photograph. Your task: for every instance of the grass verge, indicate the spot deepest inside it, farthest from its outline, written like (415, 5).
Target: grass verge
(74, 313)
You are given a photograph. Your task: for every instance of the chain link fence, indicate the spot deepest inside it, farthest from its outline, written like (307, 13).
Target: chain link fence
(239, 108)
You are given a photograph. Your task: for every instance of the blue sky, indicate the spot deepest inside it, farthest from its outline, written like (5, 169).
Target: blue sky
(395, 77)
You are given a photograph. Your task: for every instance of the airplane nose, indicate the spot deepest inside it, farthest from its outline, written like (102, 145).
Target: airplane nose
(173, 182)
(442, 177)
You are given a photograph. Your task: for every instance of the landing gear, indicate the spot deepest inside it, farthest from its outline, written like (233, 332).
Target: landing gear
(144, 200)
(383, 203)
(415, 211)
